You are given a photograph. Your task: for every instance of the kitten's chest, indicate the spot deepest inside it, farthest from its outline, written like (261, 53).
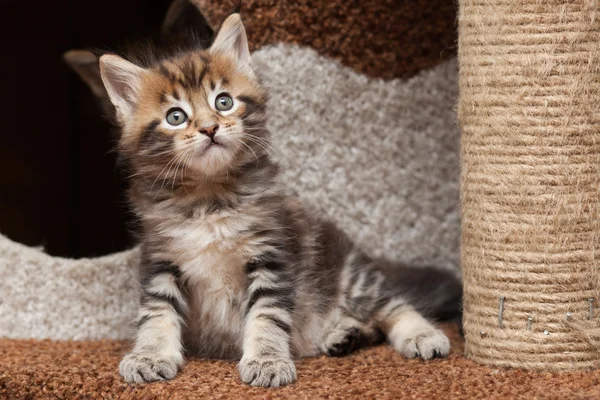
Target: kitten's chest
(212, 254)
(213, 247)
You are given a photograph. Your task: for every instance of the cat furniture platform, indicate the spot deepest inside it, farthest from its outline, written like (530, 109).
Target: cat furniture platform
(65, 324)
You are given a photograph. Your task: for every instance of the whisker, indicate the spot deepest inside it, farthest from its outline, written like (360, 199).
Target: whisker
(161, 172)
(263, 143)
(169, 170)
(185, 166)
(175, 171)
(250, 148)
(177, 164)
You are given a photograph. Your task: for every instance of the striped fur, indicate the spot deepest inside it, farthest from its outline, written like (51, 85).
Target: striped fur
(233, 268)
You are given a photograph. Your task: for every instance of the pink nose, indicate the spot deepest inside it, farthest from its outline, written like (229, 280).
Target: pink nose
(209, 130)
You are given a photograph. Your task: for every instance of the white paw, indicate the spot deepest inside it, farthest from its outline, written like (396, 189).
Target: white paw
(427, 345)
(140, 368)
(267, 372)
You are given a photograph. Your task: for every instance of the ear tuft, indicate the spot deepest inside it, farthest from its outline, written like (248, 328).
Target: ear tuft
(122, 81)
(232, 39)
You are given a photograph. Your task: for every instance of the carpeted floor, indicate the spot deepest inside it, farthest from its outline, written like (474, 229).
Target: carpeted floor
(88, 369)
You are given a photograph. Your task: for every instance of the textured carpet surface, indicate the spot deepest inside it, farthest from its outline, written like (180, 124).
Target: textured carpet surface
(379, 157)
(51, 297)
(380, 38)
(88, 369)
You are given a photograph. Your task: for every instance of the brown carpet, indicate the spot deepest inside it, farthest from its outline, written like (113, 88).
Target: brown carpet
(47, 369)
(380, 38)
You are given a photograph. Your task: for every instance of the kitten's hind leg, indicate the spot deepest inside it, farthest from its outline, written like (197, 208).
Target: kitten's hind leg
(409, 297)
(349, 335)
(412, 335)
(341, 341)
(396, 300)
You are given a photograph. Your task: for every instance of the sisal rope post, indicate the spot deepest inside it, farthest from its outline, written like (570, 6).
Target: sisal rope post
(530, 187)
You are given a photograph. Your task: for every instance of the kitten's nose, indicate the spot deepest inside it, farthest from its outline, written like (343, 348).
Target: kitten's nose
(209, 130)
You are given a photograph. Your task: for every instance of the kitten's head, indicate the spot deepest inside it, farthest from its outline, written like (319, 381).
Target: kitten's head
(198, 114)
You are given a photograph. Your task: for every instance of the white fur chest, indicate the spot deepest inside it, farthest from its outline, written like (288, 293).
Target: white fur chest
(212, 252)
(213, 246)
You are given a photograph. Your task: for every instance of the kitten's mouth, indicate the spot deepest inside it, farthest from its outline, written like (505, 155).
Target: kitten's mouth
(213, 145)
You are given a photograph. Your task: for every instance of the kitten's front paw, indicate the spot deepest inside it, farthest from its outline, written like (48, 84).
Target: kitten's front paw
(427, 345)
(267, 372)
(140, 368)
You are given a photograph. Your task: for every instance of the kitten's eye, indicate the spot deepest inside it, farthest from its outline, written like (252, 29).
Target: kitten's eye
(176, 116)
(224, 102)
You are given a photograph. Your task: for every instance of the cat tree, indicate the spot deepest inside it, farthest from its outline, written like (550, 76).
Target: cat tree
(530, 118)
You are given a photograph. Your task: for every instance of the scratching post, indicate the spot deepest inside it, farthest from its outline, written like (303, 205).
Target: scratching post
(530, 118)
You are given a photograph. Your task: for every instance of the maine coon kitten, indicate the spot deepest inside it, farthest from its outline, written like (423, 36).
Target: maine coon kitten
(232, 268)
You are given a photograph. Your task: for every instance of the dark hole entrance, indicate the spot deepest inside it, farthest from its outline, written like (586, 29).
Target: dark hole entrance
(59, 186)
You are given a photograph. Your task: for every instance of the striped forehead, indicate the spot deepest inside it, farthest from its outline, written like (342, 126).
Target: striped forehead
(193, 78)
(187, 73)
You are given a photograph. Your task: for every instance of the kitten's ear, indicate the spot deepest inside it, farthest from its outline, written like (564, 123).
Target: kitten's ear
(232, 39)
(85, 63)
(184, 17)
(122, 81)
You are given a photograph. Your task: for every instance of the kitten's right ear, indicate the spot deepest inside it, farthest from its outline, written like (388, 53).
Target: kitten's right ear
(85, 63)
(122, 81)
(232, 40)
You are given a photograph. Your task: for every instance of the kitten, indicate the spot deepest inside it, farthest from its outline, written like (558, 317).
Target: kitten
(233, 268)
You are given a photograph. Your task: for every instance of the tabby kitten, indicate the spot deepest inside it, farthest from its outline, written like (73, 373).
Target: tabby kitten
(232, 268)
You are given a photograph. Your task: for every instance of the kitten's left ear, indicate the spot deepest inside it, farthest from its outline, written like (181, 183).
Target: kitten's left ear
(122, 80)
(232, 39)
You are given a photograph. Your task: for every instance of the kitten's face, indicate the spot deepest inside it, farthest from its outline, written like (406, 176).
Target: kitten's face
(200, 114)
(200, 110)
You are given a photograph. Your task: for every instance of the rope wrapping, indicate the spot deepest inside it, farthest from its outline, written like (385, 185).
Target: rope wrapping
(529, 112)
